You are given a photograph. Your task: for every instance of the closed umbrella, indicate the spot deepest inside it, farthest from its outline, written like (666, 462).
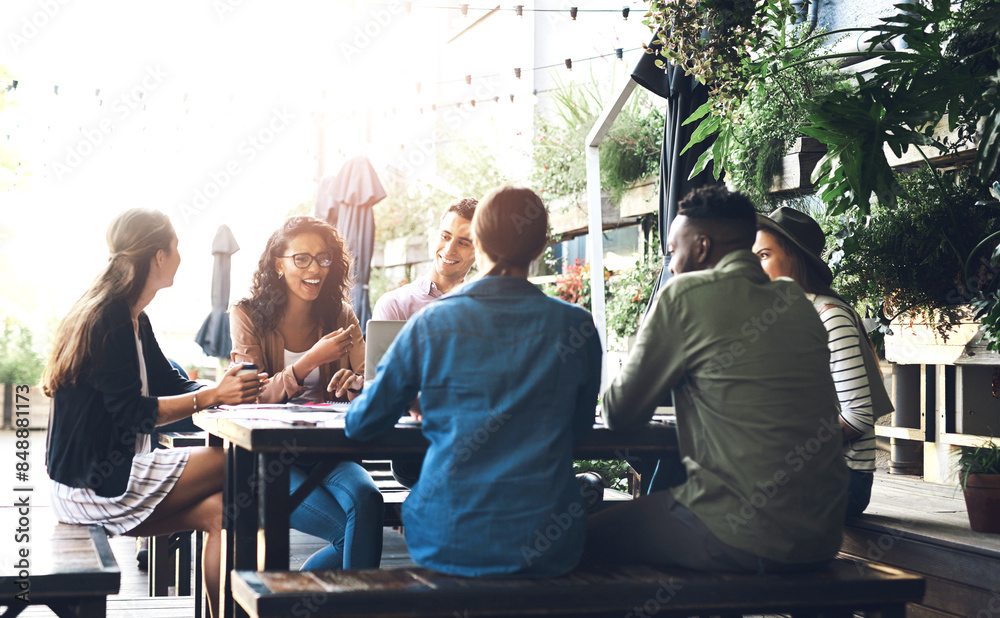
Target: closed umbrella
(213, 337)
(684, 95)
(346, 201)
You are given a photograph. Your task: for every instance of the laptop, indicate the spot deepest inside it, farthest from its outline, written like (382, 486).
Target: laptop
(379, 336)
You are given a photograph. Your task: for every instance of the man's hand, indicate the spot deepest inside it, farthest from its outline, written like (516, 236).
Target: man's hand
(415, 411)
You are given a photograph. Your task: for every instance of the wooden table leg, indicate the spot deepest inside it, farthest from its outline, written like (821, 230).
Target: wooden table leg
(239, 521)
(272, 527)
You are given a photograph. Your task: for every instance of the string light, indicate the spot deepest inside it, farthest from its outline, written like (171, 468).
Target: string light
(518, 9)
(467, 79)
(572, 12)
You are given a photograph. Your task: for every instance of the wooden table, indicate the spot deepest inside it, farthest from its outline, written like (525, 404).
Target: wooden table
(259, 453)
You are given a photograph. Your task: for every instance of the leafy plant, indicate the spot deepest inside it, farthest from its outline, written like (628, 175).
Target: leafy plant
(19, 362)
(629, 293)
(948, 74)
(754, 128)
(614, 472)
(629, 153)
(982, 459)
(914, 257)
(721, 42)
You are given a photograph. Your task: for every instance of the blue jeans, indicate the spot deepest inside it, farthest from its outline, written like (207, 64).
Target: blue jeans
(345, 509)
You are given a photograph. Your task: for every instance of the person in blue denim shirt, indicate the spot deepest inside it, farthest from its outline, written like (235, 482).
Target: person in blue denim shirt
(507, 378)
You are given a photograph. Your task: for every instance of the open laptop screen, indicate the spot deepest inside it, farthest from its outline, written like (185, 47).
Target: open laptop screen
(380, 335)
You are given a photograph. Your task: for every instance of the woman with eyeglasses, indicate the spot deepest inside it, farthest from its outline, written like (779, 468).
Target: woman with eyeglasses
(297, 325)
(111, 387)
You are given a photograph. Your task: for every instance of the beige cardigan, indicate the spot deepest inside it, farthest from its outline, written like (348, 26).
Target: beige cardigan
(267, 350)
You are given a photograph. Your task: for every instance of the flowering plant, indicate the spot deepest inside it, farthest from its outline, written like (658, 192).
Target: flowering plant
(573, 286)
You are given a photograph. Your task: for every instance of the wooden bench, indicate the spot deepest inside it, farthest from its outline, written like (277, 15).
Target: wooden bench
(72, 571)
(619, 591)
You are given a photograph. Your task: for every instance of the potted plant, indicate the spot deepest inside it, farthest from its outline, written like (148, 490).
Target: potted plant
(979, 469)
(192, 371)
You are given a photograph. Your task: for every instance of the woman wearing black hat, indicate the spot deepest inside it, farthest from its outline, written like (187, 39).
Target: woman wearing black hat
(790, 244)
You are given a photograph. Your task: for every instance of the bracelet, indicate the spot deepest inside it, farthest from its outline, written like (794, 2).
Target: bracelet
(195, 400)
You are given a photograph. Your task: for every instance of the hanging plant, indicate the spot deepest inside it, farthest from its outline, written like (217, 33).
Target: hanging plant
(720, 42)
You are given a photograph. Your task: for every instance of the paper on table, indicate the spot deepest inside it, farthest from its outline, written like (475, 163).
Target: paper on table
(280, 414)
(333, 406)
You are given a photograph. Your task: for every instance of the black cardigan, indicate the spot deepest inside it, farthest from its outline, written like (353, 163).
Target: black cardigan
(94, 423)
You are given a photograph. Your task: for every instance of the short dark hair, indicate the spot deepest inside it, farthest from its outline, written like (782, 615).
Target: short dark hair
(464, 207)
(717, 204)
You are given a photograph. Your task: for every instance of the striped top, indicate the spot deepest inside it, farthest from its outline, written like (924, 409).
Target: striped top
(852, 381)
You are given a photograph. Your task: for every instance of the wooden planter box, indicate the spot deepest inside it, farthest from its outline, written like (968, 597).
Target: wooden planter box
(918, 342)
(798, 165)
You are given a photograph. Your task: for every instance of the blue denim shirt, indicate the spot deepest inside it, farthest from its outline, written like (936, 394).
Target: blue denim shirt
(507, 377)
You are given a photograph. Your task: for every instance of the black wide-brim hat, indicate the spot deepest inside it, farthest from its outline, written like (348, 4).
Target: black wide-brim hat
(804, 233)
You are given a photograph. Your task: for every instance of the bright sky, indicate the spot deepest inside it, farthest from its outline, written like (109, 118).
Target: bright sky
(200, 108)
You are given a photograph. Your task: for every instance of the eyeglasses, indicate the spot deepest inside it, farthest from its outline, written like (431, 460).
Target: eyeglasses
(303, 260)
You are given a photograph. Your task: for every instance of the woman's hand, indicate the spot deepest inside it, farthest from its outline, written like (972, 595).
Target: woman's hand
(345, 381)
(234, 389)
(334, 345)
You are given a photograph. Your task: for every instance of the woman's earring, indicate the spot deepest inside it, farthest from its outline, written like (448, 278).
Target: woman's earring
(280, 275)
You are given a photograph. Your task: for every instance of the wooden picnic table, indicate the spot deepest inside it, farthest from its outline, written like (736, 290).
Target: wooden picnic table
(259, 452)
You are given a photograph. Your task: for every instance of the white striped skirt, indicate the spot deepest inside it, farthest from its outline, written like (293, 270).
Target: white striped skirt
(152, 477)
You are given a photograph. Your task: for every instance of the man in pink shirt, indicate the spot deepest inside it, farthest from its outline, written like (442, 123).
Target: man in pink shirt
(453, 257)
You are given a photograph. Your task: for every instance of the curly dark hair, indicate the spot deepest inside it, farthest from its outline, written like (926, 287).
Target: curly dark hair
(717, 205)
(269, 294)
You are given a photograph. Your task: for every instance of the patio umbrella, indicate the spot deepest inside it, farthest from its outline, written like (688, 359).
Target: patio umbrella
(346, 201)
(684, 94)
(213, 337)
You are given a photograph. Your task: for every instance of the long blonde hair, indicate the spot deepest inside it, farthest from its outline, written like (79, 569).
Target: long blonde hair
(511, 224)
(134, 238)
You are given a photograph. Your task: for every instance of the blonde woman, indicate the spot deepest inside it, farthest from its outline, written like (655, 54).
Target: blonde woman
(111, 386)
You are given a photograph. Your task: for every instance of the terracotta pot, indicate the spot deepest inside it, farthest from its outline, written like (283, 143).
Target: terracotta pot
(982, 499)
(192, 374)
